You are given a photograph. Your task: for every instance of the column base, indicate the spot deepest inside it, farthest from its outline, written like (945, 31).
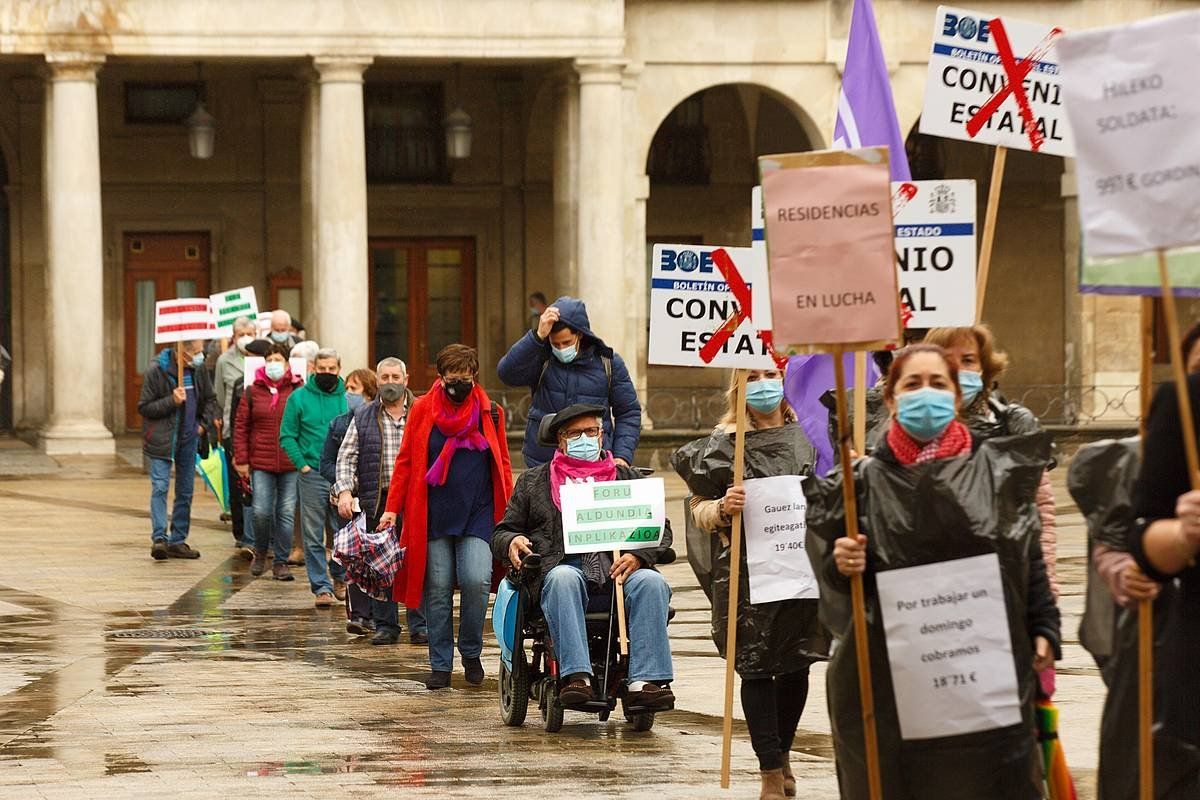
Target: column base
(85, 437)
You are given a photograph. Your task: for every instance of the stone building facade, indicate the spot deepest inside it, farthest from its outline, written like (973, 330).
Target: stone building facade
(597, 126)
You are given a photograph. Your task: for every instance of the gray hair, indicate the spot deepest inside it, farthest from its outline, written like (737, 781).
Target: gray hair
(244, 322)
(306, 350)
(392, 361)
(327, 353)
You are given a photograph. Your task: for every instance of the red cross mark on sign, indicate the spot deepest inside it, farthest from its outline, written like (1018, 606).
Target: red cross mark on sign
(744, 311)
(1015, 73)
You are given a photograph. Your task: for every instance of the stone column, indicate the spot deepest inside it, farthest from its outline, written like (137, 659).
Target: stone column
(308, 192)
(341, 272)
(600, 245)
(566, 185)
(637, 273)
(75, 259)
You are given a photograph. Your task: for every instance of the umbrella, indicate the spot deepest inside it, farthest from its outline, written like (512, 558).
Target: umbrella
(213, 470)
(1058, 778)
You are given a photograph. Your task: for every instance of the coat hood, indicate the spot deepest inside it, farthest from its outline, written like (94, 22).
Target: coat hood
(573, 312)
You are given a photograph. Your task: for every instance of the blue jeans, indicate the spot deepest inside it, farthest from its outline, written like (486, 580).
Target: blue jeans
(647, 597)
(160, 484)
(469, 559)
(274, 511)
(317, 515)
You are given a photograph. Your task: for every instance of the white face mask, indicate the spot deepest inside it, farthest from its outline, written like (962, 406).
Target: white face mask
(243, 342)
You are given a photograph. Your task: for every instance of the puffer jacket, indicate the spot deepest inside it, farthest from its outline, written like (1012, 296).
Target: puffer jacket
(556, 385)
(256, 432)
(160, 415)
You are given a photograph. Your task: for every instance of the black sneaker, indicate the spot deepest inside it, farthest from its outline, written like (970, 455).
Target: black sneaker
(158, 551)
(181, 550)
(419, 638)
(473, 670)
(385, 636)
(437, 680)
(359, 626)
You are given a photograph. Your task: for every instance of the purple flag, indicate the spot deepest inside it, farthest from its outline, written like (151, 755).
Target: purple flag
(866, 113)
(806, 379)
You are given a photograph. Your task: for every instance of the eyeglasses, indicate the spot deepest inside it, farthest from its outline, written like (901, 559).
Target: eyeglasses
(571, 436)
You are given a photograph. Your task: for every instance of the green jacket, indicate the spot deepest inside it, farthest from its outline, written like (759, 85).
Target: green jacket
(306, 421)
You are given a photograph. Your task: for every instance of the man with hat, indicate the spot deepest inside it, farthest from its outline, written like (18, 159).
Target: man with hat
(533, 524)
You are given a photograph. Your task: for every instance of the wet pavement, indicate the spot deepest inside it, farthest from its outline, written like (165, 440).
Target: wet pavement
(126, 677)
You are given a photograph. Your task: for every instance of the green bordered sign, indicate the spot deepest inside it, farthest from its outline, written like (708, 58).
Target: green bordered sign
(228, 306)
(613, 515)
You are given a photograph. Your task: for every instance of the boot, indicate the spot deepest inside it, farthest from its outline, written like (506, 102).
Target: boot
(296, 557)
(259, 564)
(789, 779)
(772, 785)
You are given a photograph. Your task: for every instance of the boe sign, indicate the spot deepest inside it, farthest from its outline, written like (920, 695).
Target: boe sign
(935, 251)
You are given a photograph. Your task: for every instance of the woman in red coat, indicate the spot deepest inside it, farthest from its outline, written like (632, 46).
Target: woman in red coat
(450, 487)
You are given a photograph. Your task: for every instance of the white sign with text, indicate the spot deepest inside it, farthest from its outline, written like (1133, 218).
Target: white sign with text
(949, 647)
(602, 516)
(935, 251)
(776, 554)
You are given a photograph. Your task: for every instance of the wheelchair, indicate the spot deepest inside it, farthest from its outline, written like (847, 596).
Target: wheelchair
(529, 667)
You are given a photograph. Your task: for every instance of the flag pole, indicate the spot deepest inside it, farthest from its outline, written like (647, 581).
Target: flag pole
(989, 229)
(1146, 607)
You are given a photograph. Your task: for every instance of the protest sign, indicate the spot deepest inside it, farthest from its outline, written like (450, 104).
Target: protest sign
(690, 301)
(1136, 114)
(183, 320)
(830, 250)
(1138, 274)
(253, 364)
(935, 251)
(949, 647)
(228, 306)
(613, 515)
(776, 555)
(995, 80)
(264, 324)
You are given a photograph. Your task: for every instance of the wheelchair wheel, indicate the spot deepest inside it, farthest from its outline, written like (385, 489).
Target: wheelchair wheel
(641, 722)
(552, 710)
(514, 690)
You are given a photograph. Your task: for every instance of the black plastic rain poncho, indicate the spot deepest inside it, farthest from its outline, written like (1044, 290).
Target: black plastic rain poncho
(922, 514)
(772, 638)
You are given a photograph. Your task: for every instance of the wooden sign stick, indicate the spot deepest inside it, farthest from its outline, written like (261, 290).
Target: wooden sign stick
(622, 630)
(179, 363)
(866, 693)
(860, 401)
(989, 229)
(735, 568)
(1146, 607)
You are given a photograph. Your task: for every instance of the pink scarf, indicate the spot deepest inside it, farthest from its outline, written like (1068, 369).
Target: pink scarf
(563, 468)
(260, 376)
(459, 423)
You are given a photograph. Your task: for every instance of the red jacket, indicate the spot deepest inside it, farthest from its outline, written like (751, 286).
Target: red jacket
(256, 429)
(408, 494)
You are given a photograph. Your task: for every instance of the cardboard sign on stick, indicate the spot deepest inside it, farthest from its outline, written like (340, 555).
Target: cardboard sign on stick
(1138, 274)
(1133, 103)
(183, 320)
(604, 516)
(935, 251)
(228, 306)
(830, 249)
(995, 80)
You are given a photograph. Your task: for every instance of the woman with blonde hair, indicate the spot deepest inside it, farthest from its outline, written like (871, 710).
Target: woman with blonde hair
(777, 642)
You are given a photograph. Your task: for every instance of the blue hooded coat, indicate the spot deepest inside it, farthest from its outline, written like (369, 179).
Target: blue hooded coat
(586, 379)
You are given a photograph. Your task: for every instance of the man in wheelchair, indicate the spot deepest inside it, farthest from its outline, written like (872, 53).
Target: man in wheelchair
(533, 524)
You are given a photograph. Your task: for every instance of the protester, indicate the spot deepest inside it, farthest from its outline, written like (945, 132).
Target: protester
(301, 435)
(451, 483)
(281, 332)
(366, 458)
(174, 420)
(533, 524)
(256, 447)
(1165, 541)
(563, 362)
(242, 485)
(924, 497)
(980, 365)
(776, 642)
(231, 367)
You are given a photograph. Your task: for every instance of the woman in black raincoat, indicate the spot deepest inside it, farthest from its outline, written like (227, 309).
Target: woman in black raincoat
(776, 642)
(925, 498)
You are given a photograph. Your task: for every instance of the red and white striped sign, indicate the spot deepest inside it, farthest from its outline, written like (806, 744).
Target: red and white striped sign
(184, 320)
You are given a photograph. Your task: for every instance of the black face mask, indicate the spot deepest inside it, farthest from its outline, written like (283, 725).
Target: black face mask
(458, 391)
(326, 381)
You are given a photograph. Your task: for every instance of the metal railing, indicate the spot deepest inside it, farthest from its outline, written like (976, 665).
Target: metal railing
(698, 408)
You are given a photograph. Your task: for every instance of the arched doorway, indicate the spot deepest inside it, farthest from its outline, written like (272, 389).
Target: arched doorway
(702, 166)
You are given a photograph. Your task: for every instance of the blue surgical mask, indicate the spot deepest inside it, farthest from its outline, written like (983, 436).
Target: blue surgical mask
(925, 413)
(764, 396)
(585, 448)
(275, 370)
(971, 383)
(354, 401)
(567, 354)
(280, 336)
(198, 359)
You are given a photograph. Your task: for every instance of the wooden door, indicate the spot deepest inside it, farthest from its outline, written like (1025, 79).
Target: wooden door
(422, 299)
(158, 266)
